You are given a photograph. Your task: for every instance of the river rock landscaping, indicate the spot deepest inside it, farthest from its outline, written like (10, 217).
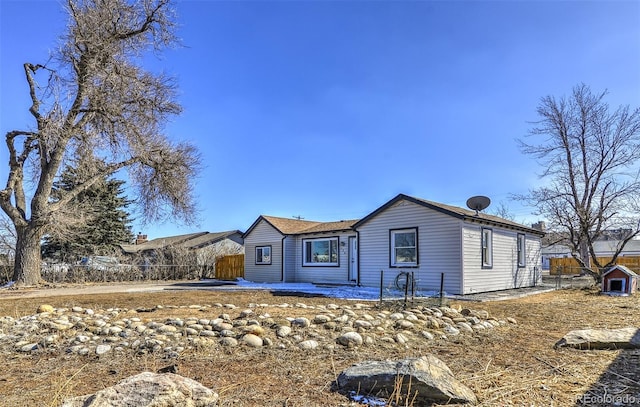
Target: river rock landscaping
(259, 348)
(88, 331)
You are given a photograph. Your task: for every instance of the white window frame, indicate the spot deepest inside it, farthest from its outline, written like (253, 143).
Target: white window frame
(522, 249)
(332, 246)
(260, 258)
(486, 248)
(393, 258)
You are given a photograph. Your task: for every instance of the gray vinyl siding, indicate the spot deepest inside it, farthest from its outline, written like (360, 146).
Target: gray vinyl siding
(311, 274)
(534, 260)
(439, 247)
(263, 234)
(290, 273)
(504, 273)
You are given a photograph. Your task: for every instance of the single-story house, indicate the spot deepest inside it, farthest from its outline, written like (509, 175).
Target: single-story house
(295, 250)
(475, 252)
(602, 248)
(206, 245)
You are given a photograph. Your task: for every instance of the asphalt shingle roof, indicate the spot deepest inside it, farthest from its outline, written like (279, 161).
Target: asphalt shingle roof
(188, 241)
(288, 226)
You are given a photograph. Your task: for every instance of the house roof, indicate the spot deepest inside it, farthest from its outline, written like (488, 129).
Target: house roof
(188, 241)
(624, 269)
(460, 213)
(602, 248)
(288, 226)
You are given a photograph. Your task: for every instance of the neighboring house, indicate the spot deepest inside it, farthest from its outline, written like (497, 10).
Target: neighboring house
(292, 250)
(602, 248)
(207, 246)
(475, 252)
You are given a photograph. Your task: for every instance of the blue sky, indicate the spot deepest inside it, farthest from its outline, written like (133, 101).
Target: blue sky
(327, 109)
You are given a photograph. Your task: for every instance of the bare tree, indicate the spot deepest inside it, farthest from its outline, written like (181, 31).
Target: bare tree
(589, 154)
(503, 211)
(93, 99)
(7, 238)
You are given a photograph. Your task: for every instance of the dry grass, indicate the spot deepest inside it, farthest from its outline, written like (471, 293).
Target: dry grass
(513, 365)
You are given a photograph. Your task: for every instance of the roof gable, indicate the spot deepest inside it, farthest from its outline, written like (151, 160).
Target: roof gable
(288, 226)
(454, 211)
(622, 268)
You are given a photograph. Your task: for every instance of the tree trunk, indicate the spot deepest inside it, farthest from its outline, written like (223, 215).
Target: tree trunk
(585, 256)
(28, 261)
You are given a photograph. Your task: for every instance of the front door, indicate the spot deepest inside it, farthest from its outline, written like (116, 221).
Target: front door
(353, 258)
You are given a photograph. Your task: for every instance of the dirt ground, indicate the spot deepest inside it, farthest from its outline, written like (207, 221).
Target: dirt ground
(514, 365)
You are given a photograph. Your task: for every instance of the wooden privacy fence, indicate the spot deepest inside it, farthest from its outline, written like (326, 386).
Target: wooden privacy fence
(230, 267)
(569, 265)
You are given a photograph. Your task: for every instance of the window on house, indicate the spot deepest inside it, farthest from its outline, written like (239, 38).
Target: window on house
(263, 254)
(404, 247)
(522, 250)
(487, 248)
(320, 252)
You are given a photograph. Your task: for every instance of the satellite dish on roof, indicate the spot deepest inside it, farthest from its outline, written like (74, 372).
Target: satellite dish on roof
(478, 203)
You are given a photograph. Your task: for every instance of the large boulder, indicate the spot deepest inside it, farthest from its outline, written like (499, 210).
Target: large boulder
(426, 378)
(150, 389)
(623, 338)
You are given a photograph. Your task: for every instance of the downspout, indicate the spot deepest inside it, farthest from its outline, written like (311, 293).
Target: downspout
(358, 258)
(462, 253)
(282, 263)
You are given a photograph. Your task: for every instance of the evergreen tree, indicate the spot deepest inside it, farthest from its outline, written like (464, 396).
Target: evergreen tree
(106, 221)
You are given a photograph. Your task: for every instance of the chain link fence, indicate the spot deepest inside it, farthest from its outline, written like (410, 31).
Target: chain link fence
(64, 273)
(400, 290)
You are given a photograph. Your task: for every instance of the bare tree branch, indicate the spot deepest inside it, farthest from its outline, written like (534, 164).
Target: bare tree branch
(99, 103)
(589, 156)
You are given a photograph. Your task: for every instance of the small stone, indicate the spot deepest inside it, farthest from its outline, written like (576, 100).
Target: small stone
(102, 349)
(401, 339)
(82, 338)
(114, 330)
(342, 319)
(350, 339)
(362, 324)
(167, 328)
(451, 330)
(283, 331)
(191, 332)
(464, 327)
(45, 308)
(29, 347)
(427, 335)
(252, 340)
(49, 339)
(253, 329)
(308, 344)
(403, 324)
(301, 322)
(321, 319)
(229, 341)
